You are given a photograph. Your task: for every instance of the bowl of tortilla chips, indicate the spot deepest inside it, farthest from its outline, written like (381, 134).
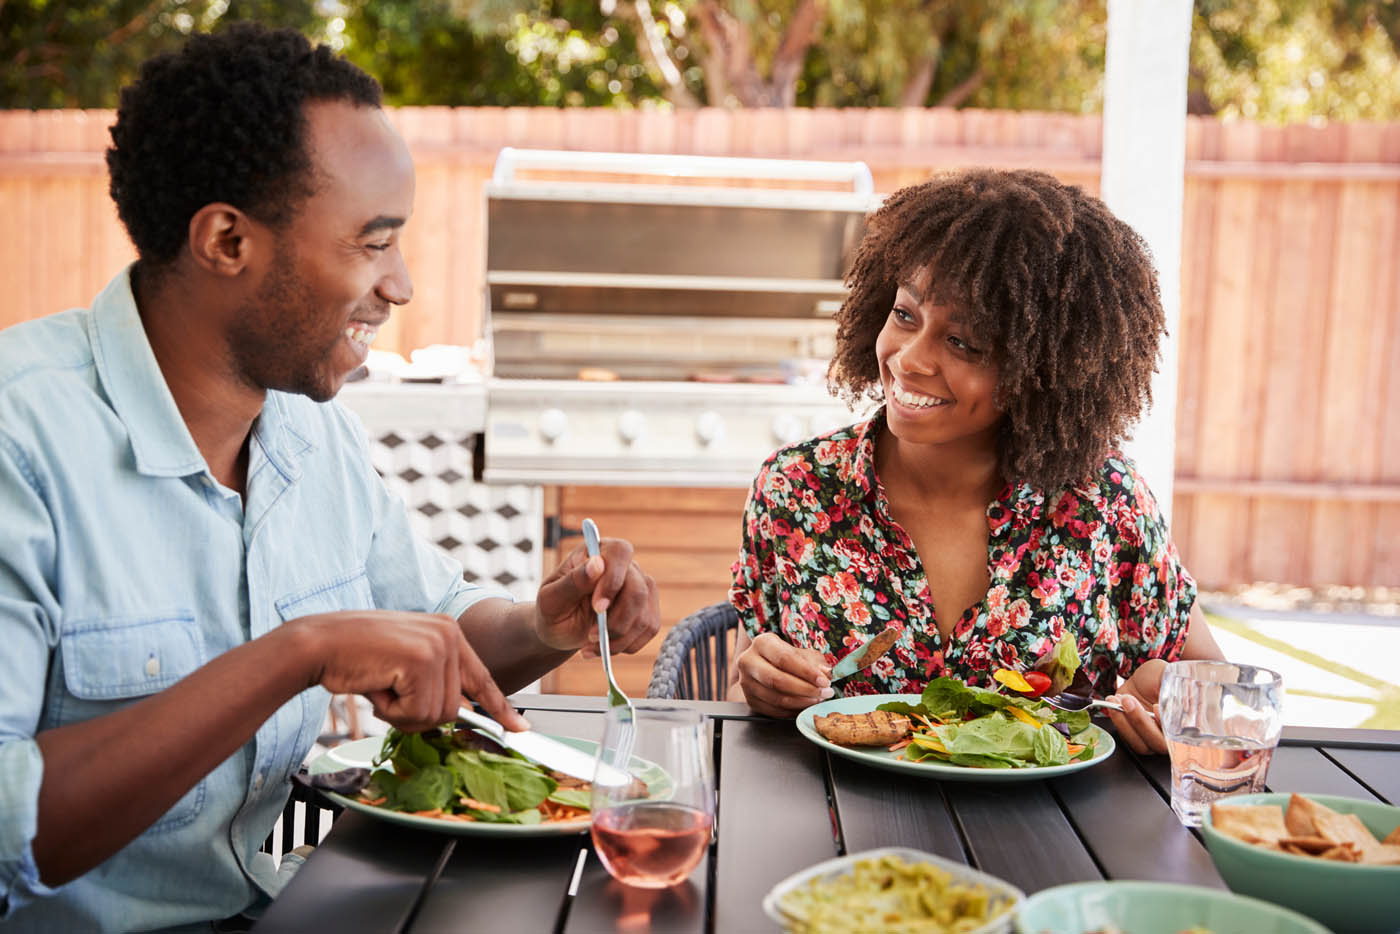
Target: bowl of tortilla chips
(1334, 859)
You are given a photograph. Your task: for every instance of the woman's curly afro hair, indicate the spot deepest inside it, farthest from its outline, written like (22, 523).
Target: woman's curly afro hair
(1063, 293)
(222, 120)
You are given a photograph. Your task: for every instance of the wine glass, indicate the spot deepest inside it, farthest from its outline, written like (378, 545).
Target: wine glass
(653, 831)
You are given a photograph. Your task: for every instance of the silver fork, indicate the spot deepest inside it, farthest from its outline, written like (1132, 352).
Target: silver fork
(1068, 701)
(618, 702)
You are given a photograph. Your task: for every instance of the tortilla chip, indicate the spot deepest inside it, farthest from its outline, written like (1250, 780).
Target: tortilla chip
(1252, 823)
(1393, 837)
(1345, 828)
(1299, 818)
(1311, 844)
(1342, 853)
(1295, 850)
(1382, 854)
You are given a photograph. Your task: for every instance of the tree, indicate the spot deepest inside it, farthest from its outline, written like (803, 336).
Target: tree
(1289, 60)
(1274, 60)
(79, 55)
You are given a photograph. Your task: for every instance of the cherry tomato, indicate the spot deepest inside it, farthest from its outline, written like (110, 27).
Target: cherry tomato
(1039, 682)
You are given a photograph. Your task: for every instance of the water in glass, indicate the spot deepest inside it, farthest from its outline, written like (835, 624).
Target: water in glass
(1222, 722)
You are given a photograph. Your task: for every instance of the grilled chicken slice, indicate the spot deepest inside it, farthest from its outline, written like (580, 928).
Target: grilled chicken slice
(877, 728)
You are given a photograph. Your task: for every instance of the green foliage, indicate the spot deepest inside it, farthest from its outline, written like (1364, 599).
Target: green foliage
(59, 54)
(487, 52)
(1282, 61)
(1272, 60)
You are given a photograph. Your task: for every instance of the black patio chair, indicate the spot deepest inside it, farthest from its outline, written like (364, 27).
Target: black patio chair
(317, 814)
(693, 663)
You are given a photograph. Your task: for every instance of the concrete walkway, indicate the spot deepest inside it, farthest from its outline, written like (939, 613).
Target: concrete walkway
(1338, 671)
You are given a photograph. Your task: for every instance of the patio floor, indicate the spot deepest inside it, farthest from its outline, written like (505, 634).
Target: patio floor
(1339, 670)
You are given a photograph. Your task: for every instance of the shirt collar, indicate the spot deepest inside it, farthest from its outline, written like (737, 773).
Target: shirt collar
(160, 439)
(863, 478)
(1020, 499)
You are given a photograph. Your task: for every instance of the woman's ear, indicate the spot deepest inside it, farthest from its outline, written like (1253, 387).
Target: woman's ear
(220, 239)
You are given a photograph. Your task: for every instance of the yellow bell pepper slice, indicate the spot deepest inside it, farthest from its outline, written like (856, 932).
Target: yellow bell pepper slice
(1014, 680)
(1020, 714)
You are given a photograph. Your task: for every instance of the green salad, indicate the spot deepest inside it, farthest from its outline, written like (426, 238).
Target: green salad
(457, 775)
(980, 728)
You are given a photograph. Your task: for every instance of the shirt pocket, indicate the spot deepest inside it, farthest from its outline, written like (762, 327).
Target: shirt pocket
(108, 663)
(346, 591)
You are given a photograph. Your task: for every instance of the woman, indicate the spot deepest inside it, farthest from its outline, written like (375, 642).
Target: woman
(1009, 324)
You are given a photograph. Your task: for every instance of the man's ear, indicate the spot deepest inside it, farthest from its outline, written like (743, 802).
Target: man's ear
(222, 239)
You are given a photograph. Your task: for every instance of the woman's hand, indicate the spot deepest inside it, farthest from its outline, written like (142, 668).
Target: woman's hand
(778, 678)
(1137, 725)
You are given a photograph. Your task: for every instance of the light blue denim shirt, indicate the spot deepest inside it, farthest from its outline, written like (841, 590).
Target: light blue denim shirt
(124, 566)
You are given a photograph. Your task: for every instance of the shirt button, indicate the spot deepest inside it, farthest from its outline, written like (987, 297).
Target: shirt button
(152, 666)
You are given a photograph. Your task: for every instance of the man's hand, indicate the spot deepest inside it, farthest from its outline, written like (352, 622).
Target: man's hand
(779, 679)
(581, 586)
(1136, 724)
(413, 667)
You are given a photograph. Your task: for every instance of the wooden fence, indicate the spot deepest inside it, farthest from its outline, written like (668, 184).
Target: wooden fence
(1288, 424)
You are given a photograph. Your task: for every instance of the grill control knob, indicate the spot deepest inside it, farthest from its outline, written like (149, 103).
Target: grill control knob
(631, 425)
(553, 424)
(787, 428)
(709, 427)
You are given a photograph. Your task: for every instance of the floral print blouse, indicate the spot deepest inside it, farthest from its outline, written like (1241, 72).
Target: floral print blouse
(825, 565)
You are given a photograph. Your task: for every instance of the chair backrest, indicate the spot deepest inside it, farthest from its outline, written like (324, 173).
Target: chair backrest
(693, 662)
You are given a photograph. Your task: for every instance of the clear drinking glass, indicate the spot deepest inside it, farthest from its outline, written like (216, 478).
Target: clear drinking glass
(654, 837)
(1222, 722)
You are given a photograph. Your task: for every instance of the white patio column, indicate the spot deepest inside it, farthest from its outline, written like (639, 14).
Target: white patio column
(1144, 163)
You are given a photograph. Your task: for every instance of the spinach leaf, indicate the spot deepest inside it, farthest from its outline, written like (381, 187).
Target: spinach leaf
(993, 736)
(1076, 720)
(525, 785)
(383, 783)
(480, 780)
(571, 797)
(947, 698)
(895, 706)
(418, 752)
(430, 787)
(988, 761)
(1049, 747)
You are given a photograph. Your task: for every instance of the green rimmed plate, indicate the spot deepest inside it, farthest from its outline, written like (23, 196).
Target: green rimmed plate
(361, 752)
(884, 759)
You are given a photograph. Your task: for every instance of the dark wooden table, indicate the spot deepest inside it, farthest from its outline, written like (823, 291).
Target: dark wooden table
(783, 805)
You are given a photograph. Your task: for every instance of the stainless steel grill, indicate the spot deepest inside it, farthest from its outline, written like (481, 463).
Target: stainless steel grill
(615, 307)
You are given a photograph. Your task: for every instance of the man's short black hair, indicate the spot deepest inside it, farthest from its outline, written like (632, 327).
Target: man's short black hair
(223, 119)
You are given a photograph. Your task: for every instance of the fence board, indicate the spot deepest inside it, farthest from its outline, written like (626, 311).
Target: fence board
(1290, 322)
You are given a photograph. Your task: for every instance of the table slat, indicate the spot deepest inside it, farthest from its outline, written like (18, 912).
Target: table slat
(1377, 768)
(365, 876)
(1308, 771)
(878, 808)
(1017, 832)
(499, 885)
(1133, 832)
(605, 906)
(773, 817)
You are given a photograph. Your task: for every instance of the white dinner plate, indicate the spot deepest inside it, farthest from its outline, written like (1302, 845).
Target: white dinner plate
(361, 753)
(882, 758)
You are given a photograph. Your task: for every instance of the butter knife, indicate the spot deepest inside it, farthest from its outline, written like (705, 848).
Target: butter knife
(548, 752)
(864, 656)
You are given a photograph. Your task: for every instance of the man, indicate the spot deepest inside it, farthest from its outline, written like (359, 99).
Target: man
(194, 550)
